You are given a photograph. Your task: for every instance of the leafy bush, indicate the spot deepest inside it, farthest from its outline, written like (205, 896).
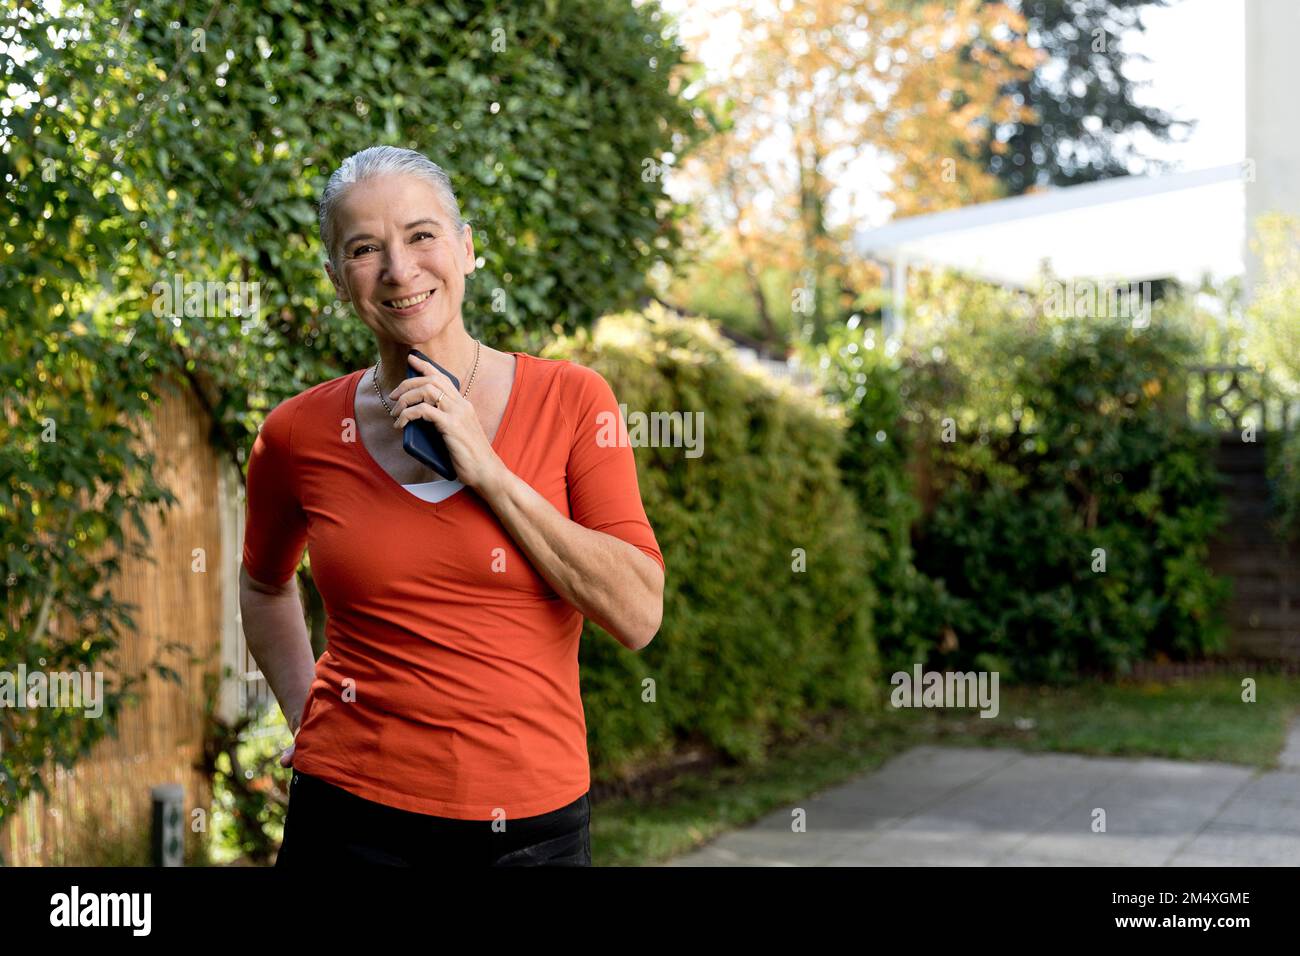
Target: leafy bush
(749, 647)
(858, 375)
(1030, 443)
(1101, 458)
(250, 790)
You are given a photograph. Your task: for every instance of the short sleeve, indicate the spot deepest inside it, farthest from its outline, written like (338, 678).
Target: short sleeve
(604, 494)
(275, 526)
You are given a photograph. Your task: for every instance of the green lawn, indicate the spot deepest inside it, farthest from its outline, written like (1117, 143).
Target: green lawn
(1193, 719)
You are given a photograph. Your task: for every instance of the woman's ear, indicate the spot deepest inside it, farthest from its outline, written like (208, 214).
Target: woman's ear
(339, 289)
(469, 250)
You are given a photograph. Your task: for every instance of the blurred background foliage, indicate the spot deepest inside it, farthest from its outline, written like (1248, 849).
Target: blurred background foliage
(995, 448)
(1273, 341)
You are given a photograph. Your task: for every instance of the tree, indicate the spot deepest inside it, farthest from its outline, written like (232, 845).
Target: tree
(1082, 107)
(816, 85)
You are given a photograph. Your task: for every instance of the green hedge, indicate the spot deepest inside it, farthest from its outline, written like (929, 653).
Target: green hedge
(1041, 441)
(1103, 459)
(748, 647)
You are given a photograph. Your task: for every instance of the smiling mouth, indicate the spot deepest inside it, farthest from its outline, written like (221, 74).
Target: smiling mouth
(408, 301)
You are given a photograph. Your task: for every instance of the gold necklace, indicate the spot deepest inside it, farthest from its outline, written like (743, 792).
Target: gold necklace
(478, 347)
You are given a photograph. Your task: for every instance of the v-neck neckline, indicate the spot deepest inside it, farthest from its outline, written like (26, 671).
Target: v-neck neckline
(359, 446)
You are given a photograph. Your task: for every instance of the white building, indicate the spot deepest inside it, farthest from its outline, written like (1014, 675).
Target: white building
(1132, 228)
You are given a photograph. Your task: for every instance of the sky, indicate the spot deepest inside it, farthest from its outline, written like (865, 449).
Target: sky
(1197, 48)
(1197, 71)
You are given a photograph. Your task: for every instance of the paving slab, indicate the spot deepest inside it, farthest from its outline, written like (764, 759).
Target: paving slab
(960, 806)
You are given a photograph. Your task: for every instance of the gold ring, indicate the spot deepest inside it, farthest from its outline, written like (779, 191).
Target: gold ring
(438, 400)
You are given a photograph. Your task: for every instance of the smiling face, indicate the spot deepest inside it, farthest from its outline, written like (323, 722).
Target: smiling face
(401, 262)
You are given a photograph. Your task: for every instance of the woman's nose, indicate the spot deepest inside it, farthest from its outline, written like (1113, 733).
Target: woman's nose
(399, 265)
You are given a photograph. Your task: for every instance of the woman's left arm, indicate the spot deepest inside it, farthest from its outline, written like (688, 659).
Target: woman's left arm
(614, 583)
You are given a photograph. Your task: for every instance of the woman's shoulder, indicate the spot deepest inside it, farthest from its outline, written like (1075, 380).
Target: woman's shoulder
(323, 395)
(574, 378)
(585, 398)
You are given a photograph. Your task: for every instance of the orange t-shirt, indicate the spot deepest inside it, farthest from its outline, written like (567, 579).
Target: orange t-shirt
(449, 684)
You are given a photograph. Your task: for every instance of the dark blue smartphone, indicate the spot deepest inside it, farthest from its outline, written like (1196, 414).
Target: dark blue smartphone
(421, 438)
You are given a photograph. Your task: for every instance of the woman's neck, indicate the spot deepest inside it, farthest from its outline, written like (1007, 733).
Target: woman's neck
(454, 352)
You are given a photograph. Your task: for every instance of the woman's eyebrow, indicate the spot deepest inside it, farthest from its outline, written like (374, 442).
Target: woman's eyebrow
(410, 225)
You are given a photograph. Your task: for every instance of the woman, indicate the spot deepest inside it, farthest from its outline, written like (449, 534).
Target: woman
(443, 723)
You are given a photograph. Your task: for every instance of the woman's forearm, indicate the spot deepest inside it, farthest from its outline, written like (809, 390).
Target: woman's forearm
(276, 632)
(614, 583)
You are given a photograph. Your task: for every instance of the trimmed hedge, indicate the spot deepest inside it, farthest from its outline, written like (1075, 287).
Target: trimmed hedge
(749, 647)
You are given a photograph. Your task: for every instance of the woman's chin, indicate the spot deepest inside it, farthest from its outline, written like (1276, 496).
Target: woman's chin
(417, 330)
(409, 330)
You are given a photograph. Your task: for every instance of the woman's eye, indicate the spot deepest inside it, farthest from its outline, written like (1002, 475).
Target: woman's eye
(358, 250)
(424, 234)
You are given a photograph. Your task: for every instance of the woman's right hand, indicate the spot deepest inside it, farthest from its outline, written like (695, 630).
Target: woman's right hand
(286, 758)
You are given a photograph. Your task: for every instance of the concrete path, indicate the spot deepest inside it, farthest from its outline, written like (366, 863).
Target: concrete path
(949, 806)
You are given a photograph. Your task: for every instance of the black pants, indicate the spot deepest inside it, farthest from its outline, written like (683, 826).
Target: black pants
(328, 825)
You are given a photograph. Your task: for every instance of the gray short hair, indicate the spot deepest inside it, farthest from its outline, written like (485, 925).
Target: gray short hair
(375, 161)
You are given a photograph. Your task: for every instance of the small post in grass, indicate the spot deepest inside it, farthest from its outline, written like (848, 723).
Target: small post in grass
(168, 837)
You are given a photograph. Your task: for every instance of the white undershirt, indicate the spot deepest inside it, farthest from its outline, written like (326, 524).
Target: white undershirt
(434, 490)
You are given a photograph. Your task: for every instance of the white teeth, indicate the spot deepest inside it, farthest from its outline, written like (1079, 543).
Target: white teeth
(407, 303)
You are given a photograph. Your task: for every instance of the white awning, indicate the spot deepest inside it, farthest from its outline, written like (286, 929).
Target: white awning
(1130, 228)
